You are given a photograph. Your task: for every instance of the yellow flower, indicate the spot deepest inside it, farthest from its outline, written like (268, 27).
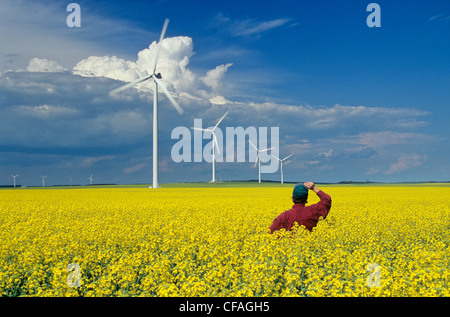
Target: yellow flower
(136, 242)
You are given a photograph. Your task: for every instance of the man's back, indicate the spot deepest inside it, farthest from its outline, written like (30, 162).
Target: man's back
(307, 216)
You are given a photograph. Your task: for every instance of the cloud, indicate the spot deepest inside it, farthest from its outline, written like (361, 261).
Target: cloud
(108, 66)
(252, 27)
(68, 111)
(407, 162)
(351, 116)
(134, 168)
(328, 153)
(93, 160)
(45, 111)
(220, 100)
(174, 57)
(440, 17)
(337, 119)
(44, 65)
(247, 27)
(380, 139)
(173, 64)
(373, 171)
(214, 76)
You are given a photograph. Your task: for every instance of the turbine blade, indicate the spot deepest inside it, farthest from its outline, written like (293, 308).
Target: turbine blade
(253, 145)
(257, 158)
(267, 149)
(223, 117)
(215, 142)
(158, 48)
(287, 157)
(276, 157)
(140, 80)
(167, 93)
(199, 129)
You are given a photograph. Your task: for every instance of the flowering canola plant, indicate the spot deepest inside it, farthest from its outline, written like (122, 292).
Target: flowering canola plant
(376, 241)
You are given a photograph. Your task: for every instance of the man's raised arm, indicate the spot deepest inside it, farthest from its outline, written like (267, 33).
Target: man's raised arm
(324, 205)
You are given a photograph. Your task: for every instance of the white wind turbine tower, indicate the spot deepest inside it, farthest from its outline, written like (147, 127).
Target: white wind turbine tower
(14, 176)
(215, 144)
(157, 82)
(281, 163)
(258, 159)
(43, 180)
(90, 179)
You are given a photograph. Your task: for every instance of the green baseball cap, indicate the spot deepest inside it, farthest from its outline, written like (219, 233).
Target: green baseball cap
(300, 191)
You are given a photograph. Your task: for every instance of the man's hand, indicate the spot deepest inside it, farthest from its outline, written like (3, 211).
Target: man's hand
(311, 186)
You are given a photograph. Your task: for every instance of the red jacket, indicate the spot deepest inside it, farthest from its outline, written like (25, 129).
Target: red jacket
(307, 216)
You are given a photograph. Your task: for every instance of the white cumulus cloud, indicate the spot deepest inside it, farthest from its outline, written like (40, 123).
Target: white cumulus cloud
(44, 65)
(108, 66)
(173, 61)
(214, 76)
(219, 100)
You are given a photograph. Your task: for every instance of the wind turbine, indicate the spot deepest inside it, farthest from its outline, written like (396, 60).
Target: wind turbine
(14, 176)
(43, 180)
(258, 159)
(90, 179)
(215, 144)
(281, 163)
(157, 82)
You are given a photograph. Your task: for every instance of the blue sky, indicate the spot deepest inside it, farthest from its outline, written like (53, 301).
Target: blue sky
(351, 102)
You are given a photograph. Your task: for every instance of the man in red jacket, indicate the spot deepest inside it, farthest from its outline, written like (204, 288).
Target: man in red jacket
(307, 216)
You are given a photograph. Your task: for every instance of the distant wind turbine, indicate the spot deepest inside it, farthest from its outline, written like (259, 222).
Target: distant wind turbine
(14, 176)
(281, 163)
(157, 82)
(43, 180)
(214, 146)
(258, 159)
(90, 179)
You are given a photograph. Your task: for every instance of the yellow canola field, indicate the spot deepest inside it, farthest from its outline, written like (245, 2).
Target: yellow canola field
(376, 241)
